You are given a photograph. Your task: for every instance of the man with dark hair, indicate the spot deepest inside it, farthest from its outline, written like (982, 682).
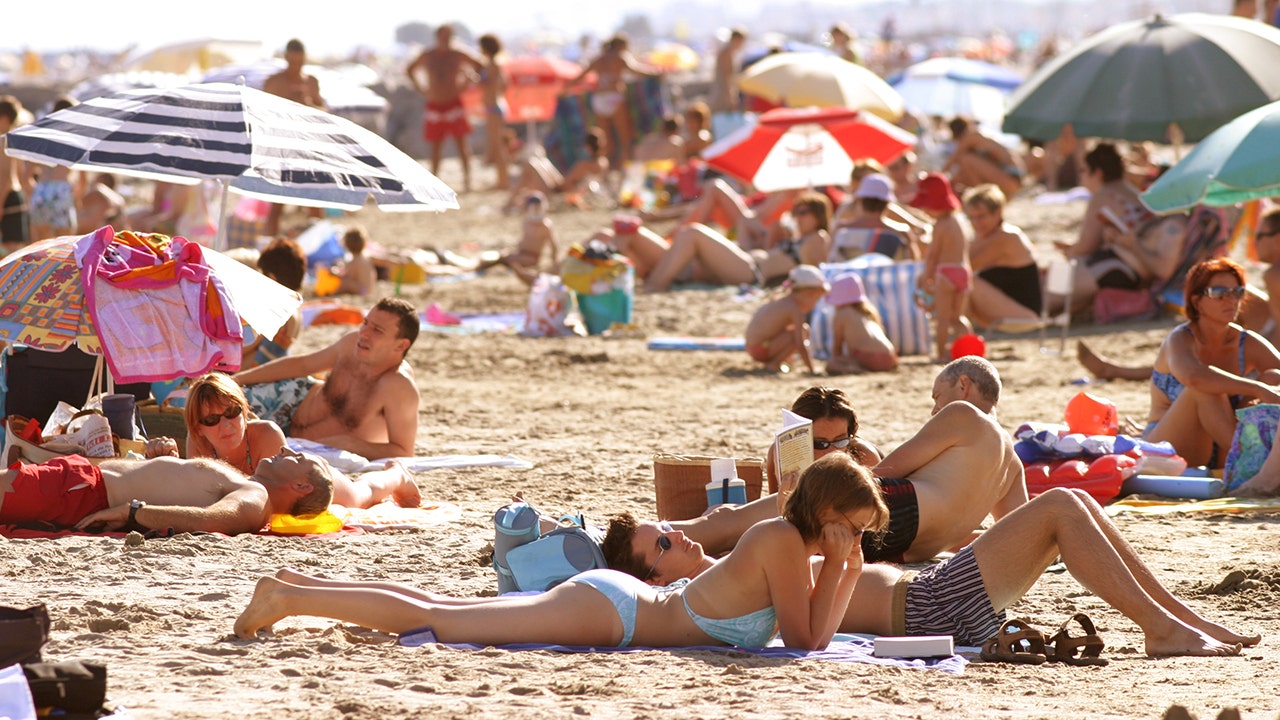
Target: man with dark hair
(198, 495)
(369, 403)
(449, 71)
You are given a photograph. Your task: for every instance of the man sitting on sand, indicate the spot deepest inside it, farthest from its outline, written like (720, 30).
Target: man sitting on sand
(369, 403)
(198, 495)
(939, 485)
(965, 596)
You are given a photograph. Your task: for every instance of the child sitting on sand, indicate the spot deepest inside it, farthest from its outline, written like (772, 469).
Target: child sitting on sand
(858, 340)
(536, 236)
(947, 277)
(358, 274)
(780, 328)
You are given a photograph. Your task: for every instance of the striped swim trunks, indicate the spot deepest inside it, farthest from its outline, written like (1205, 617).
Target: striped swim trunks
(948, 599)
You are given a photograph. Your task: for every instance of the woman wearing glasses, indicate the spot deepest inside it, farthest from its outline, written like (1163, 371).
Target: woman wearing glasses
(221, 426)
(744, 600)
(1209, 366)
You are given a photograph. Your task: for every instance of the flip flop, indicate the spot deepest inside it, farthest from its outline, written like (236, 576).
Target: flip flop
(1081, 650)
(1017, 642)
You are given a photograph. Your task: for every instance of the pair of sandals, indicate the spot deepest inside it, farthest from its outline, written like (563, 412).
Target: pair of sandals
(1018, 642)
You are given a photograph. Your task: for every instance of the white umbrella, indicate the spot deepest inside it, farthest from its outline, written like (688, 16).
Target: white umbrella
(799, 79)
(252, 142)
(950, 86)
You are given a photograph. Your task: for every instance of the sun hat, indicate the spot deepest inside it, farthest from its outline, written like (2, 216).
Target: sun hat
(935, 194)
(847, 290)
(876, 186)
(807, 276)
(626, 224)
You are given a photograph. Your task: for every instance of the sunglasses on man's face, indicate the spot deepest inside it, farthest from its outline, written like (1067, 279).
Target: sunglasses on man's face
(215, 418)
(839, 443)
(664, 544)
(1218, 292)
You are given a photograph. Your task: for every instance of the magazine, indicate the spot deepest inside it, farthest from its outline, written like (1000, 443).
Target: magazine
(793, 448)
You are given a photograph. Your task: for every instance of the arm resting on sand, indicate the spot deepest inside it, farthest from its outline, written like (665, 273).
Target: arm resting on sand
(239, 511)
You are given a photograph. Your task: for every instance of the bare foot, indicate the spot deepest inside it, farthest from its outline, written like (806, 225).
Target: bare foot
(263, 610)
(407, 493)
(1183, 640)
(1091, 362)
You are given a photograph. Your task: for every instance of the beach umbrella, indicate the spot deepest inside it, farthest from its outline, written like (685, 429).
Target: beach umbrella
(1237, 162)
(42, 300)
(1162, 79)
(672, 56)
(130, 80)
(195, 55)
(791, 148)
(951, 86)
(534, 83)
(252, 142)
(820, 80)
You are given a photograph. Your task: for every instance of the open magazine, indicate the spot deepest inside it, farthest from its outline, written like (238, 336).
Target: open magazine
(793, 447)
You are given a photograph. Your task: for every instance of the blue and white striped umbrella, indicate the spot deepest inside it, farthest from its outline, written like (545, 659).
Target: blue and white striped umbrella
(255, 143)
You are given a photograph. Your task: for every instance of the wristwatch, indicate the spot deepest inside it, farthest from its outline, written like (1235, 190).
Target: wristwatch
(134, 507)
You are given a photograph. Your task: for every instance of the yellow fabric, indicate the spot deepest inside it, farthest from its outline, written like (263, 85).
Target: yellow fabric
(1163, 507)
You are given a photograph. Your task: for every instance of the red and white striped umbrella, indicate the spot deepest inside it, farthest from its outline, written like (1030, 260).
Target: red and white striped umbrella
(792, 148)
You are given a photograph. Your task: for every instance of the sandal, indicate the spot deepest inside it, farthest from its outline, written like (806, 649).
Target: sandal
(1017, 642)
(1082, 650)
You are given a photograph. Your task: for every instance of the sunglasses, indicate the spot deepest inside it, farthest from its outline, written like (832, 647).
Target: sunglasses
(800, 211)
(232, 411)
(1218, 292)
(664, 544)
(839, 444)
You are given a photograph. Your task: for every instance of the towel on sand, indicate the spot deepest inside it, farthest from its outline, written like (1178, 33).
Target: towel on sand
(843, 648)
(353, 463)
(690, 342)
(389, 516)
(1163, 507)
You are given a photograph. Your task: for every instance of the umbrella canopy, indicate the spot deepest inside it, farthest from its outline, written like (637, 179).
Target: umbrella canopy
(951, 86)
(821, 80)
(195, 55)
(534, 83)
(1135, 80)
(1237, 162)
(131, 80)
(806, 147)
(253, 142)
(673, 56)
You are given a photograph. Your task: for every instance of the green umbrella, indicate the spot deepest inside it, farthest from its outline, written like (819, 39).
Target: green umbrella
(1135, 80)
(1239, 161)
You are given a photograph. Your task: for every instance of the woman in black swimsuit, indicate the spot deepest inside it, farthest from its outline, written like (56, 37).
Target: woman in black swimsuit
(1006, 283)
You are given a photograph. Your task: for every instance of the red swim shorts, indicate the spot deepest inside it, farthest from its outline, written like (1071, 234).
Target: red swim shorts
(62, 491)
(441, 120)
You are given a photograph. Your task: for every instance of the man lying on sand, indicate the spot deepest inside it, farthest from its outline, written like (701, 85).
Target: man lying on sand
(939, 485)
(965, 596)
(369, 403)
(186, 495)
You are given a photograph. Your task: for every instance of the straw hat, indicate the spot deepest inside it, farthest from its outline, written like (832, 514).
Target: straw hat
(847, 290)
(807, 276)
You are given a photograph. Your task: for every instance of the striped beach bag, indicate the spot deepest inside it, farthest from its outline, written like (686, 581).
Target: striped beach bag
(891, 287)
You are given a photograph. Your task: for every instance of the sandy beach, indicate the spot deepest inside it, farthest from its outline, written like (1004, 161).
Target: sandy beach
(589, 413)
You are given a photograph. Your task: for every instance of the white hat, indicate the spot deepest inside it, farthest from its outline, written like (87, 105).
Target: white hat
(875, 186)
(807, 276)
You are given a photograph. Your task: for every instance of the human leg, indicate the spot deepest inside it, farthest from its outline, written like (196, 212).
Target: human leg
(720, 530)
(370, 488)
(1194, 423)
(946, 313)
(718, 258)
(988, 304)
(463, 143)
(1014, 552)
(1106, 369)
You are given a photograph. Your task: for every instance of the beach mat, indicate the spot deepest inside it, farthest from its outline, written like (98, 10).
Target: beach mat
(42, 530)
(1149, 506)
(843, 648)
(508, 323)
(690, 342)
(353, 463)
(389, 516)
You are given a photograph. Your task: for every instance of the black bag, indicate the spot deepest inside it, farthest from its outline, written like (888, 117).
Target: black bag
(22, 634)
(72, 686)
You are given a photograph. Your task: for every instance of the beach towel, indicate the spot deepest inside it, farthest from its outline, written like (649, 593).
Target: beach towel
(505, 323)
(353, 463)
(690, 342)
(42, 530)
(1255, 431)
(891, 288)
(844, 647)
(389, 516)
(573, 115)
(1144, 506)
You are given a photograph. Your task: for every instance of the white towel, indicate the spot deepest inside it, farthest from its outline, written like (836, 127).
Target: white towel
(353, 463)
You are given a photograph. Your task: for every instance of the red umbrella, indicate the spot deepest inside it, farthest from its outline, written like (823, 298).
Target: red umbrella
(806, 147)
(533, 84)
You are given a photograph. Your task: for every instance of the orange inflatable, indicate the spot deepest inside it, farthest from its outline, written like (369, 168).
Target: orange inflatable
(1092, 415)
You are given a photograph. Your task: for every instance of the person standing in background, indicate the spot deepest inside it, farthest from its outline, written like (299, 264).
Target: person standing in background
(450, 71)
(291, 83)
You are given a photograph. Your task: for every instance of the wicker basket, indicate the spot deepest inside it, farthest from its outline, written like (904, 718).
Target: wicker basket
(165, 421)
(680, 482)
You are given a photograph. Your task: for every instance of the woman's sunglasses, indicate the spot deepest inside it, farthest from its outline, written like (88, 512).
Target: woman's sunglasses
(232, 411)
(1218, 292)
(840, 444)
(664, 544)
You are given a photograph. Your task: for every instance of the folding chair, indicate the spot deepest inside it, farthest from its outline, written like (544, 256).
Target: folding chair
(1059, 279)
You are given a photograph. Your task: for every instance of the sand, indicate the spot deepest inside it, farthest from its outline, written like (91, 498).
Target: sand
(589, 413)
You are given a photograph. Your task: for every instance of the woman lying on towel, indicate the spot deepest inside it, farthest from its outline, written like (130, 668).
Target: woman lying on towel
(744, 600)
(221, 426)
(1208, 367)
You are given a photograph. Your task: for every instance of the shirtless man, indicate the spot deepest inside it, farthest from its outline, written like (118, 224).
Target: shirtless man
(724, 88)
(369, 403)
(14, 223)
(609, 101)
(449, 71)
(200, 495)
(291, 84)
(940, 484)
(978, 159)
(537, 236)
(965, 596)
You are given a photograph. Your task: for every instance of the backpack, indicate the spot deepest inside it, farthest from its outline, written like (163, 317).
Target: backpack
(23, 632)
(527, 560)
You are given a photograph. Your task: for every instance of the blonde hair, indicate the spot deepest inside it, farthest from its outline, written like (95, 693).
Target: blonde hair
(869, 310)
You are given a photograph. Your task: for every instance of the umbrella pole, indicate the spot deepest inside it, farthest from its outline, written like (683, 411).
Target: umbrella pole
(220, 243)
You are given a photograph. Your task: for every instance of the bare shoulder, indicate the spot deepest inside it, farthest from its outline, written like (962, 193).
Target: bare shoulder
(770, 535)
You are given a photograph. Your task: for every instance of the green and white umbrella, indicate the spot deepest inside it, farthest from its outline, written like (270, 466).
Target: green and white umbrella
(1185, 75)
(1239, 161)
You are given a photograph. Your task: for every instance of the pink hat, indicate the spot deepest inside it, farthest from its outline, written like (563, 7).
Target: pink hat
(935, 194)
(847, 290)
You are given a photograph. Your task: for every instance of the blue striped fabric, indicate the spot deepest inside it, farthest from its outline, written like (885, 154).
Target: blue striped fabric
(891, 288)
(261, 144)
